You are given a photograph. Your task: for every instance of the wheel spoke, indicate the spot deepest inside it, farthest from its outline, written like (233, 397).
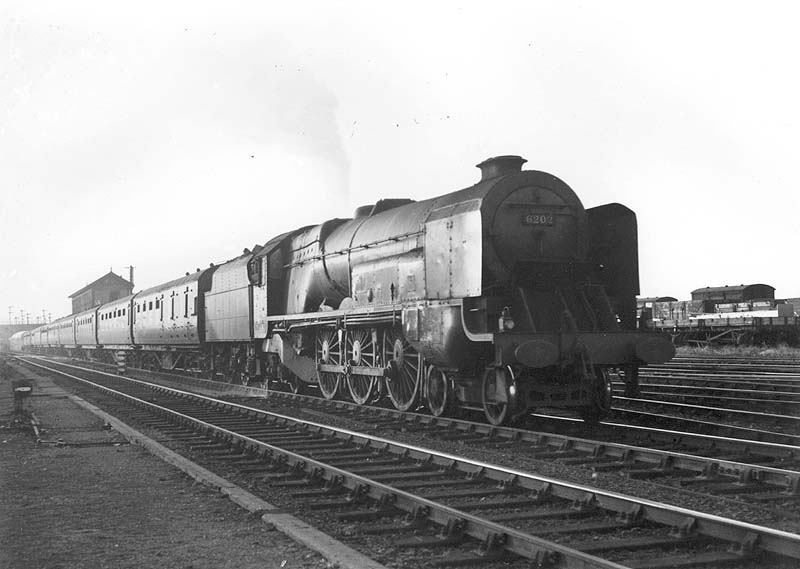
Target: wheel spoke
(403, 384)
(439, 392)
(329, 352)
(496, 382)
(361, 351)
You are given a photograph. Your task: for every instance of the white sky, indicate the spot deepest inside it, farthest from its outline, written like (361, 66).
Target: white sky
(168, 135)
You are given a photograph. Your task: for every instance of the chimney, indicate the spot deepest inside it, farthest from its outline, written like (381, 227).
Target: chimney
(500, 166)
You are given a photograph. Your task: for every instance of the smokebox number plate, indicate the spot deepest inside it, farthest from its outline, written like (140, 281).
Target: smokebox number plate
(538, 219)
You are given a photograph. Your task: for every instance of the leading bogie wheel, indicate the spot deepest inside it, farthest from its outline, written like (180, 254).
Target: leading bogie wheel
(498, 392)
(439, 394)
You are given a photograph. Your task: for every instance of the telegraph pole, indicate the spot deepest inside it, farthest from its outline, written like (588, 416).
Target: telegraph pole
(10, 314)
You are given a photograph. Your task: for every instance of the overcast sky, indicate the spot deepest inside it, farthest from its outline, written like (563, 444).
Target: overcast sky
(168, 135)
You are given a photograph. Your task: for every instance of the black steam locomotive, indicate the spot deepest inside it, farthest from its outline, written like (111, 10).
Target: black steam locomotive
(504, 296)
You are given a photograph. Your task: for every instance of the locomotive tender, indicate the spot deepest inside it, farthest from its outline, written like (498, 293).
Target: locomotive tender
(503, 296)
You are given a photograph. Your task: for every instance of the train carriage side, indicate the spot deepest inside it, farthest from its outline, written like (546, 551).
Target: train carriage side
(114, 324)
(35, 339)
(45, 337)
(168, 322)
(86, 330)
(16, 342)
(64, 333)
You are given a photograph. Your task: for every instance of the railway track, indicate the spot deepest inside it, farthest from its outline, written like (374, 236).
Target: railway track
(732, 363)
(755, 394)
(712, 420)
(783, 399)
(446, 509)
(620, 444)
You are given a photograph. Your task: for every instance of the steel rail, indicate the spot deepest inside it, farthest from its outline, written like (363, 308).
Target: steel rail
(741, 412)
(714, 389)
(771, 540)
(719, 374)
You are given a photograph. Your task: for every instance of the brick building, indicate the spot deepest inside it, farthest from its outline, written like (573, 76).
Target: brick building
(105, 289)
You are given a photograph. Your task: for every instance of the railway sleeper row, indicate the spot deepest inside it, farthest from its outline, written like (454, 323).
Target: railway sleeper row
(757, 484)
(731, 541)
(745, 465)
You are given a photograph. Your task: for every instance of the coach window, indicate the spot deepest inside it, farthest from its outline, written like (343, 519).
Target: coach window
(172, 308)
(186, 304)
(151, 305)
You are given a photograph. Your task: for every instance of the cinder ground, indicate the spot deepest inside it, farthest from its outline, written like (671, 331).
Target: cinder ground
(85, 498)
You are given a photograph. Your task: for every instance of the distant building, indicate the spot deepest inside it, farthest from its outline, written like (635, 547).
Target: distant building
(739, 293)
(647, 301)
(646, 304)
(728, 298)
(105, 289)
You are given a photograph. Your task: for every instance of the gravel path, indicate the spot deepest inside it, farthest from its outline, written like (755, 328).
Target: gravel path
(87, 499)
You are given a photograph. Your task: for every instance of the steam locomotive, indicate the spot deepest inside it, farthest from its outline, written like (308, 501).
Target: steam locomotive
(504, 296)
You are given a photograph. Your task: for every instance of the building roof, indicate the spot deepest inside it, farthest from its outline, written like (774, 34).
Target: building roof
(109, 278)
(732, 288)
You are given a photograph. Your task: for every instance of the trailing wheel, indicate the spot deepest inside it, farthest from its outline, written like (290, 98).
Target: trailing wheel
(362, 350)
(499, 394)
(601, 397)
(405, 370)
(329, 352)
(439, 392)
